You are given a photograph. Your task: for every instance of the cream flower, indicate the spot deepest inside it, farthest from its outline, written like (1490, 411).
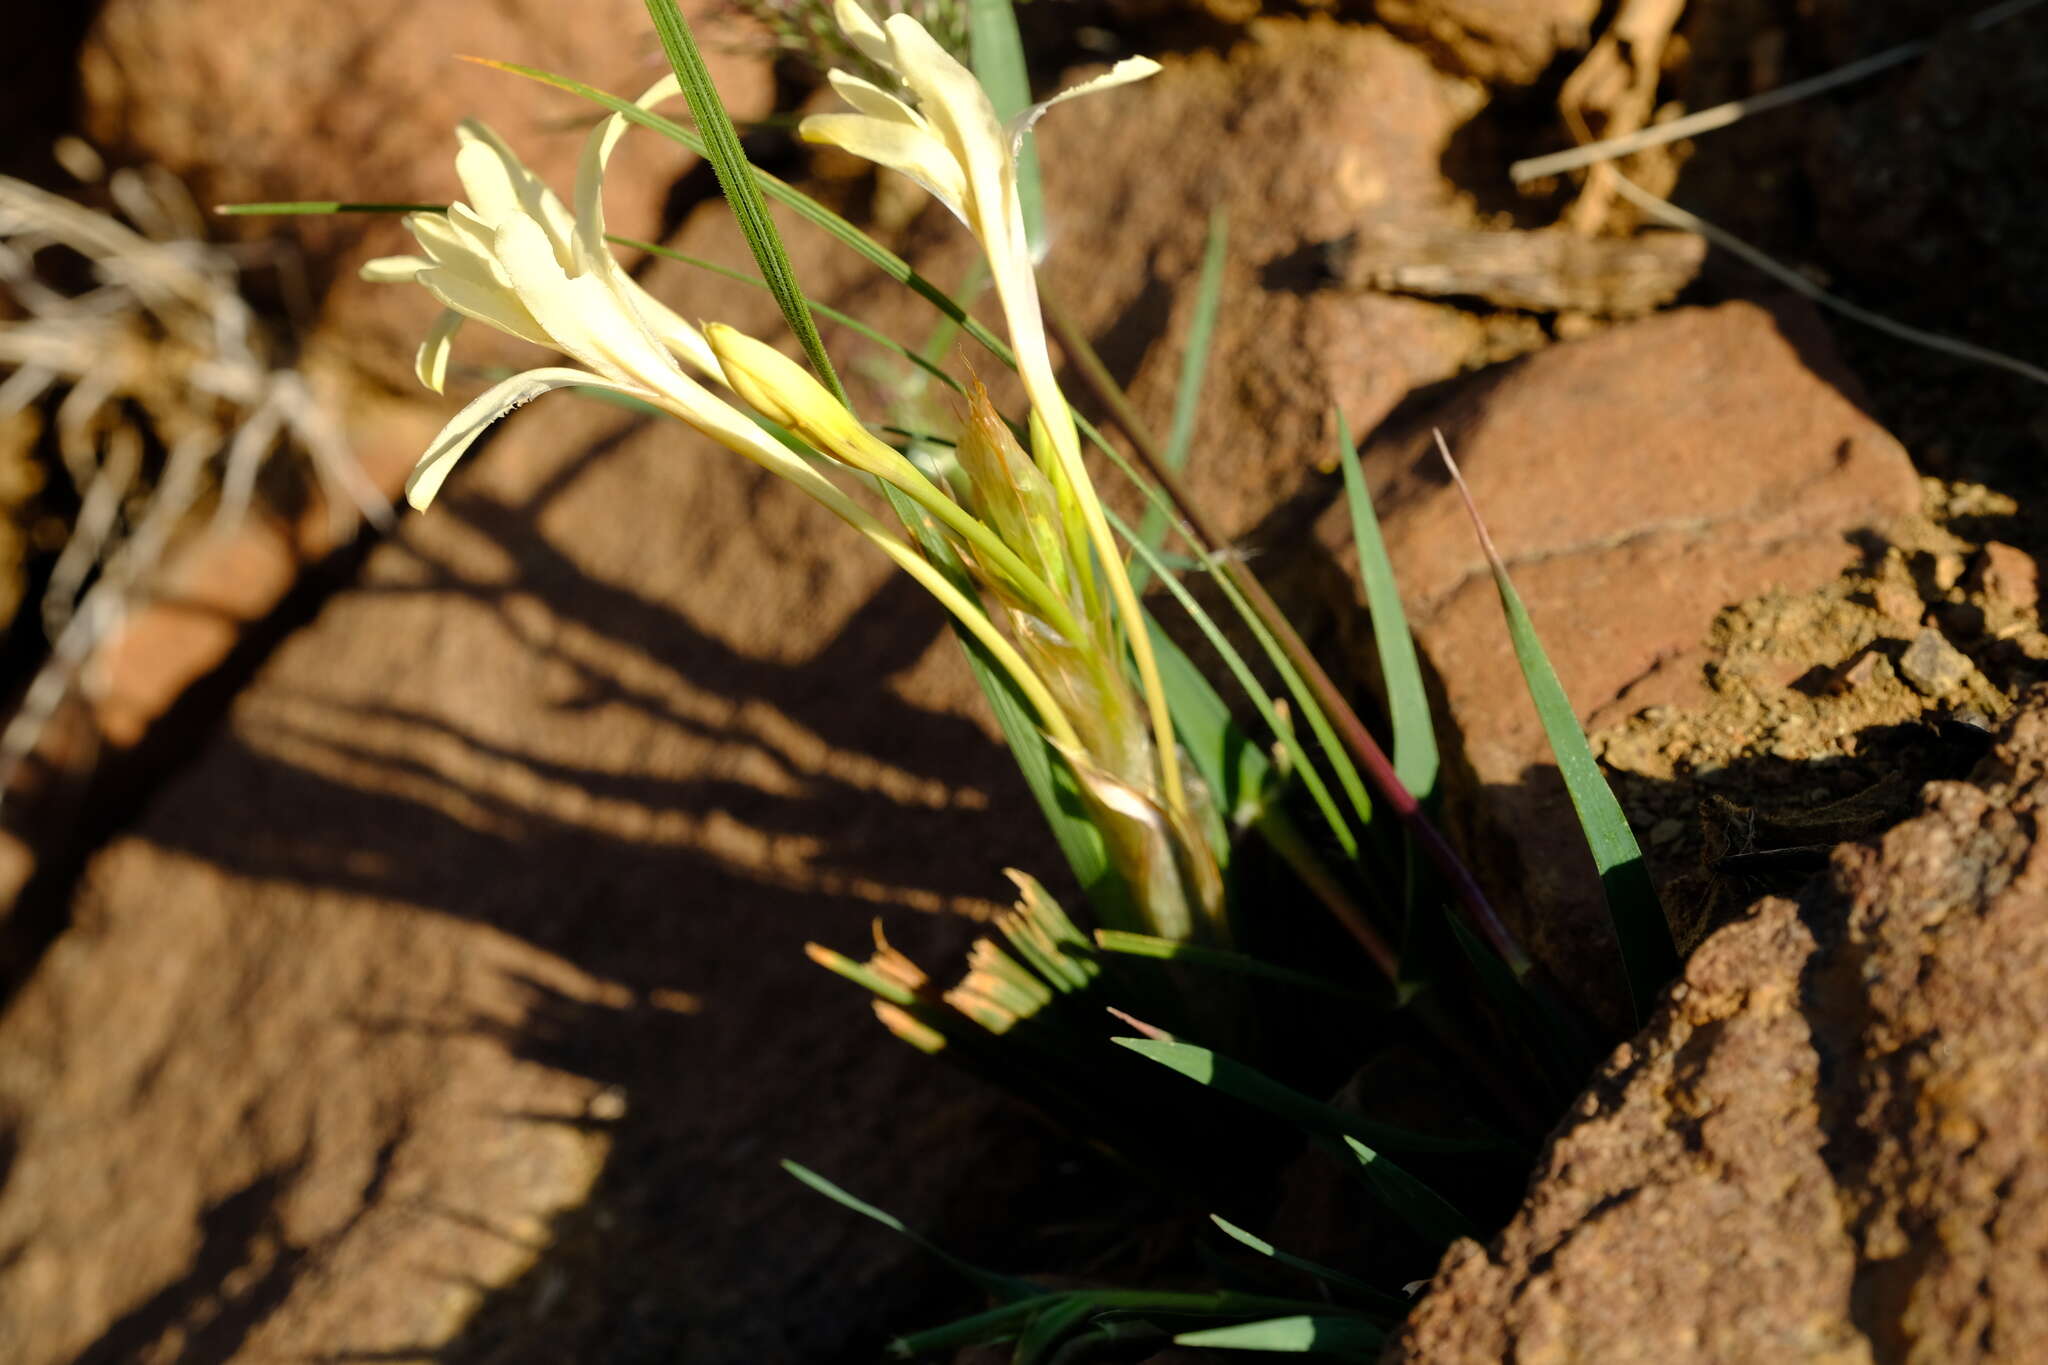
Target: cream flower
(953, 145)
(513, 257)
(951, 142)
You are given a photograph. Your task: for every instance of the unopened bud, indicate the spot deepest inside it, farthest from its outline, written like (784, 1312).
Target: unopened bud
(785, 392)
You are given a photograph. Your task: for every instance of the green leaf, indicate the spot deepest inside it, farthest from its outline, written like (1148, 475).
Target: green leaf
(846, 320)
(1235, 770)
(1315, 1335)
(1415, 755)
(997, 1324)
(736, 177)
(1187, 397)
(1304, 699)
(1648, 956)
(1414, 1203)
(1007, 1321)
(1001, 1286)
(1261, 700)
(1377, 1297)
(1564, 1053)
(1219, 959)
(320, 206)
(1045, 938)
(1240, 1082)
(1051, 781)
(998, 52)
(1049, 1329)
(877, 255)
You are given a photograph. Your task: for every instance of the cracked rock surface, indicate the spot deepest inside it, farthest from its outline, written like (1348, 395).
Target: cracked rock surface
(1830, 1144)
(1636, 482)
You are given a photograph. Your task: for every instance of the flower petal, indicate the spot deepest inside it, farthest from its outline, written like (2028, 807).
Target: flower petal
(907, 150)
(431, 364)
(463, 429)
(472, 231)
(500, 186)
(863, 32)
(451, 246)
(958, 111)
(593, 250)
(392, 269)
(487, 301)
(949, 97)
(868, 98)
(582, 313)
(683, 341)
(1123, 73)
(597, 153)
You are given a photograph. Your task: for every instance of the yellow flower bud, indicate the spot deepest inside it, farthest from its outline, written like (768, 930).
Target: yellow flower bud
(786, 393)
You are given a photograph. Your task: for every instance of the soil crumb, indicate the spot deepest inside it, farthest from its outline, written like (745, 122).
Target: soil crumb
(1828, 710)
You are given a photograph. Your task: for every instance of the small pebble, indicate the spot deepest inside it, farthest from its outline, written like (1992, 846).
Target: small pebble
(1664, 831)
(1856, 673)
(1898, 601)
(2008, 574)
(1933, 665)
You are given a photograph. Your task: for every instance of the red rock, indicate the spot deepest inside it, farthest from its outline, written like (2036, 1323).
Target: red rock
(1636, 483)
(1511, 42)
(2008, 574)
(1831, 1143)
(460, 968)
(1366, 121)
(256, 100)
(362, 970)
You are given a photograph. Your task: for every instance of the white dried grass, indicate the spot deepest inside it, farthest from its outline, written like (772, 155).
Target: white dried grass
(159, 346)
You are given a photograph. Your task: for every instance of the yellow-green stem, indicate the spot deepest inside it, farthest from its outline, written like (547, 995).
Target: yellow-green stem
(1110, 555)
(1058, 728)
(912, 482)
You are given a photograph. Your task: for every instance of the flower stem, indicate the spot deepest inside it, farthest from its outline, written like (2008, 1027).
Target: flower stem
(975, 621)
(1366, 750)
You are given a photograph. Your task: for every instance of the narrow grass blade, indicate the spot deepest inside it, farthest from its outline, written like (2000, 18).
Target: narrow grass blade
(1416, 1204)
(1001, 1286)
(1378, 1298)
(1648, 956)
(997, 1324)
(1262, 701)
(1415, 754)
(320, 206)
(1007, 1321)
(1305, 699)
(1220, 959)
(877, 255)
(1240, 1082)
(1051, 781)
(1358, 740)
(997, 50)
(1194, 364)
(1049, 1329)
(736, 177)
(1266, 622)
(1235, 770)
(846, 320)
(1564, 1053)
(1318, 1335)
